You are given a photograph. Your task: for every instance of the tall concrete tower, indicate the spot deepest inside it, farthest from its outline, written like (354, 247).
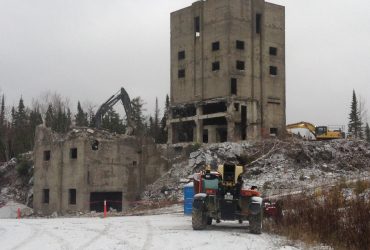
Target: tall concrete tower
(227, 71)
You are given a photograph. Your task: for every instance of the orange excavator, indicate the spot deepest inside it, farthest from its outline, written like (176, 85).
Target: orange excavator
(319, 132)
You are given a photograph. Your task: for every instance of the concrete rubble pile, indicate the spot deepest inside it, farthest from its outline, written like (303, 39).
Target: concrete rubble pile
(15, 191)
(275, 166)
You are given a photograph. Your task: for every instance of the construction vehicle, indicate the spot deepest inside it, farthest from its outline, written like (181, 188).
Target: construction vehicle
(122, 96)
(320, 132)
(222, 195)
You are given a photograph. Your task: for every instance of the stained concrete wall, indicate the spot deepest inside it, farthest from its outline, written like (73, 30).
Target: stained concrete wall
(227, 21)
(120, 164)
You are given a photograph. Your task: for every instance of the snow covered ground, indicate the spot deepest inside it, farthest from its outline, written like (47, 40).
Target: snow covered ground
(166, 231)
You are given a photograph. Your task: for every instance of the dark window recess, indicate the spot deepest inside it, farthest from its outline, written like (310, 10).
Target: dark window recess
(197, 26)
(72, 196)
(233, 86)
(240, 65)
(236, 106)
(273, 131)
(47, 155)
(134, 163)
(181, 73)
(215, 46)
(258, 23)
(95, 145)
(73, 153)
(273, 70)
(45, 198)
(239, 44)
(273, 51)
(181, 55)
(215, 66)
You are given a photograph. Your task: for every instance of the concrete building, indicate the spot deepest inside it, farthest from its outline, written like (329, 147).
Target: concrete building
(227, 71)
(77, 171)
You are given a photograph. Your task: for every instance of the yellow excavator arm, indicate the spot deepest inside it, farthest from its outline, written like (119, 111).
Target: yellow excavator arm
(306, 125)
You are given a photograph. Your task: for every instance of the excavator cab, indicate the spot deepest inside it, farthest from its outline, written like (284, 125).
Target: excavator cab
(321, 130)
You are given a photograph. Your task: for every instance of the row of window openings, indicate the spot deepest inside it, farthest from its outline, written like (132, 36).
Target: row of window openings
(72, 154)
(72, 194)
(240, 65)
(258, 23)
(216, 46)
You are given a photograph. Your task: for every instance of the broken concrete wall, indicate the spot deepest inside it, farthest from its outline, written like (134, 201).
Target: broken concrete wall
(87, 161)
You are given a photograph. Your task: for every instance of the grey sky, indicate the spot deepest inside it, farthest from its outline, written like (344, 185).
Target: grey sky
(87, 49)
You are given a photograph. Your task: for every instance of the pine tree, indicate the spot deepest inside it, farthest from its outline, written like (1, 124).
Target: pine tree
(156, 132)
(112, 122)
(137, 115)
(367, 132)
(21, 140)
(49, 116)
(354, 125)
(163, 125)
(3, 132)
(81, 117)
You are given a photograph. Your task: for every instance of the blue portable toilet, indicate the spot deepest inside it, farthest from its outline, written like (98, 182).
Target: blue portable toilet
(188, 198)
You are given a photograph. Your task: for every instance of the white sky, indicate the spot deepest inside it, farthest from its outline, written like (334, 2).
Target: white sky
(87, 49)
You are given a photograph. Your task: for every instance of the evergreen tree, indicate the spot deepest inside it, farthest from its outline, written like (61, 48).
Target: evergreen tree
(21, 137)
(163, 125)
(49, 116)
(112, 122)
(137, 115)
(2, 111)
(156, 132)
(3, 132)
(367, 132)
(81, 117)
(354, 125)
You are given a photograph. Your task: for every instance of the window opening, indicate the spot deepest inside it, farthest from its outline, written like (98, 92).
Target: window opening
(240, 65)
(46, 196)
(273, 51)
(233, 87)
(240, 44)
(273, 70)
(273, 131)
(95, 145)
(181, 55)
(73, 153)
(181, 73)
(215, 46)
(236, 106)
(197, 26)
(258, 23)
(72, 196)
(215, 66)
(47, 155)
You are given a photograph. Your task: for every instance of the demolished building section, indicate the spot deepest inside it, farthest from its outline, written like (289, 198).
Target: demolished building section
(77, 171)
(227, 71)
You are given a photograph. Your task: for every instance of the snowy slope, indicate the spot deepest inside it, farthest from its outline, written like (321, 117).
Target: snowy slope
(167, 231)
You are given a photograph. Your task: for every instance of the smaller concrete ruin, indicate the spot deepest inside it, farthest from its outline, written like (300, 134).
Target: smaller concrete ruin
(79, 170)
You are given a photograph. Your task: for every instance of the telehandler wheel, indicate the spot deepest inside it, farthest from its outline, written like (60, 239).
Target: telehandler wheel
(209, 220)
(199, 219)
(255, 223)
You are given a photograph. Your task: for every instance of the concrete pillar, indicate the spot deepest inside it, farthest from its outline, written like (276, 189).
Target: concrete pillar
(231, 130)
(212, 136)
(199, 125)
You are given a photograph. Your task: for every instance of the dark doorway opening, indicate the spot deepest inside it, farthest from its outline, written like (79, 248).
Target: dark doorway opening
(205, 135)
(114, 200)
(243, 122)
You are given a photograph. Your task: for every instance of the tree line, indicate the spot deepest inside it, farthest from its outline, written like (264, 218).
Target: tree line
(18, 124)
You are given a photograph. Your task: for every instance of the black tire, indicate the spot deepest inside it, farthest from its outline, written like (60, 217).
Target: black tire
(198, 219)
(255, 224)
(209, 220)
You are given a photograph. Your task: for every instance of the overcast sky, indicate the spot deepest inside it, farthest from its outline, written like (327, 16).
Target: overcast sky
(87, 49)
